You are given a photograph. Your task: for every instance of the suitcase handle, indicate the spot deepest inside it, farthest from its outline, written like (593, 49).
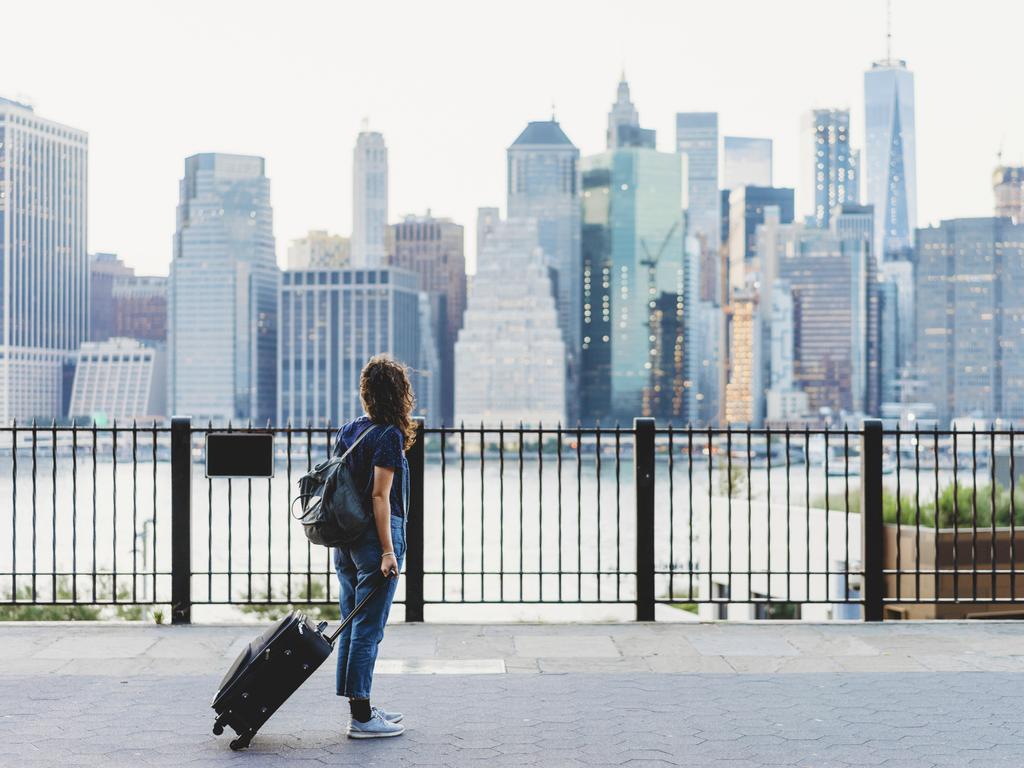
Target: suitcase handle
(381, 581)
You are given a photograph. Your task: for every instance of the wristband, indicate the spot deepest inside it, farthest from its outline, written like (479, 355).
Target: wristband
(388, 553)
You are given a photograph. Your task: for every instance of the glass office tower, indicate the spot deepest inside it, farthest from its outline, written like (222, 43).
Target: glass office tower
(634, 286)
(44, 265)
(891, 157)
(222, 292)
(747, 162)
(830, 166)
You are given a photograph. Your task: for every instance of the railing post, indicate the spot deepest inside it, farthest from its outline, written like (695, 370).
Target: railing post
(414, 531)
(181, 520)
(871, 523)
(643, 479)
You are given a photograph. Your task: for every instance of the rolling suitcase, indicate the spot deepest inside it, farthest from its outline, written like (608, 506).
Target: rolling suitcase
(271, 669)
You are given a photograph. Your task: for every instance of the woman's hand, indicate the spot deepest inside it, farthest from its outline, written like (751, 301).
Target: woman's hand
(389, 565)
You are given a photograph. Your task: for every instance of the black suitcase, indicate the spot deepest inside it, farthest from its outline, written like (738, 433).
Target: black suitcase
(271, 669)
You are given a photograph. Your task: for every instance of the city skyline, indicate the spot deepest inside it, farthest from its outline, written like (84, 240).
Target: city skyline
(435, 161)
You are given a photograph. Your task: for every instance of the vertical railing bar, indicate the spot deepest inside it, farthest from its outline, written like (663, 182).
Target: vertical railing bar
(559, 470)
(14, 510)
(807, 512)
(35, 568)
(520, 536)
(992, 495)
(95, 459)
(728, 471)
(74, 513)
(956, 518)
(711, 519)
(113, 451)
(917, 506)
(540, 511)
(899, 521)
(444, 516)
(937, 582)
(828, 539)
(671, 516)
(153, 449)
(618, 513)
(501, 511)
(135, 510)
(750, 517)
(309, 546)
(462, 512)
(209, 525)
(53, 503)
(597, 470)
(789, 497)
(482, 514)
(329, 552)
(579, 513)
(287, 490)
(768, 503)
(846, 503)
(1013, 521)
(270, 519)
(689, 524)
(974, 511)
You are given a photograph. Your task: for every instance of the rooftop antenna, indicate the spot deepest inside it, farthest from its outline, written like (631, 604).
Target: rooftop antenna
(553, 112)
(364, 124)
(888, 30)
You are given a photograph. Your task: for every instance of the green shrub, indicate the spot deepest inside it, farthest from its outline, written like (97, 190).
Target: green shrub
(967, 499)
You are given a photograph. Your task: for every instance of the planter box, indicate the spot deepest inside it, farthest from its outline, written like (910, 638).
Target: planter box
(973, 591)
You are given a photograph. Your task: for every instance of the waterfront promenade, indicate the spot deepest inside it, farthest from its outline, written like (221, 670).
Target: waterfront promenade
(722, 695)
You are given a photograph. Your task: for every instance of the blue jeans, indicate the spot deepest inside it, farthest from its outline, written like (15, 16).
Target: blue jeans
(358, 567)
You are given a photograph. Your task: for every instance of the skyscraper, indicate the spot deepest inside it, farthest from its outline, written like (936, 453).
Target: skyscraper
(543, 185)
(831, 175)
(747, 206)
(891, 155)
(222, 297)
(319, 249)
(510, 357)
(624, 122)
(697, 142)
(44, 264)
(121, 379)
(634, 286)
(434, 249)
(123, 304)
(747, 162)
(1008, 187)
(969, 283)
(369, 199)
(332, 321)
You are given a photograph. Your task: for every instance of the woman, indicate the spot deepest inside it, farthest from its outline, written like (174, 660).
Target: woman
(378, 464)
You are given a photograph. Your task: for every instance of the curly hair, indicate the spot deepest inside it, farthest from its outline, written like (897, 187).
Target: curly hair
(387, 395)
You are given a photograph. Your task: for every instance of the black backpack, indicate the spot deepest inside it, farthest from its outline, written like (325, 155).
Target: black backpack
(334, 511)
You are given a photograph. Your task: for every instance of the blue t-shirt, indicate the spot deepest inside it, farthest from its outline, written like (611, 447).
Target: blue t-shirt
(381, 448)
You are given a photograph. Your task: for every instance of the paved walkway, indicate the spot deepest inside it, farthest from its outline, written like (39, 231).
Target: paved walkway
(900, 695)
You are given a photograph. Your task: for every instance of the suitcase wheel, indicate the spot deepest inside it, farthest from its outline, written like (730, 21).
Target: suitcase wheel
(218, 729)
(241, 742)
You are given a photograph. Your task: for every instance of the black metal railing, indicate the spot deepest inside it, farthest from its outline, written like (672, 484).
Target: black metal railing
(727, 522)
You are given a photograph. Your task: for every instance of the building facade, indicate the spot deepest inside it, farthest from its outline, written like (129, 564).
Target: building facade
(510, 356)
(44, 264)
(747, 206)
(746, 162)
(1008, 188)
(121, 380)
(332, 322)
(369, 200)
(891, 156)
(634, 287)
(543, 184)
(434, 249)
(624, 122)
(222, 292)
(969, 283)
(319, 250)
(123, 304)
(697, 143)
(831, 165)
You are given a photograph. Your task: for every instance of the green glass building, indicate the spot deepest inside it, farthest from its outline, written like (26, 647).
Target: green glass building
(634, 280)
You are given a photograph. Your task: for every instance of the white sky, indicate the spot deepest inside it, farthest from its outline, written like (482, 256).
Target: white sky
(451, 84)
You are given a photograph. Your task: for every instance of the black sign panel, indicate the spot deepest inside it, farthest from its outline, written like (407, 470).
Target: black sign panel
(239, 454)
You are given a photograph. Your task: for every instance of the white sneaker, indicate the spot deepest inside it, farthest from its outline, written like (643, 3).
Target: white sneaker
(374, 728)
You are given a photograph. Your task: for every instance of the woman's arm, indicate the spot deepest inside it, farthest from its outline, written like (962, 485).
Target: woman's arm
(382, 478)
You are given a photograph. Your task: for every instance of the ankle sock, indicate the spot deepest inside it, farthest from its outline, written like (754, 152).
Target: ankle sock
(360, 709)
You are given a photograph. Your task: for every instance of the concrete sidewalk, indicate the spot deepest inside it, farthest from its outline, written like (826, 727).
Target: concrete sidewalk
(737, 695)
